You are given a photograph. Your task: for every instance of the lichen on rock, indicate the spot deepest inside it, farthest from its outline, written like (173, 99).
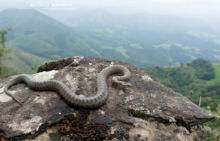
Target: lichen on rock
(147, 110)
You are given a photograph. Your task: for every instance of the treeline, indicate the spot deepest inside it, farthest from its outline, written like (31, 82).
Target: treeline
(191, 81)
(204, 69)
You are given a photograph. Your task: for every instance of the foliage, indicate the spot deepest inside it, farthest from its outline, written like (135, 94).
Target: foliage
(17, 61)
(2, 48)
(1, 52)
(213, 138)
(204, 69)
(13, 61)
(188, 78)
(193, 77)
(3, 34)
(217, 77)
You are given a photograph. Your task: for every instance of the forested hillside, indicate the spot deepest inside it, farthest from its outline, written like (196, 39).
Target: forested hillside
(16, 61)
(195, 79)
(43, 36)
(140, 40)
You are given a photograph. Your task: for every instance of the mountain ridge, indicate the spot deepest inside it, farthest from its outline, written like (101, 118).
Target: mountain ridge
(41, 35)
(175, 39)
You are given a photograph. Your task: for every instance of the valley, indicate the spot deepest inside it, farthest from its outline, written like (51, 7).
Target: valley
(142, 41)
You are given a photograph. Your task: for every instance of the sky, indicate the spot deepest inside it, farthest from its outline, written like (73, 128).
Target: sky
(199, 8)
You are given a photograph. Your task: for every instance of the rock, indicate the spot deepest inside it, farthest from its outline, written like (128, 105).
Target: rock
(147, 110)
(55, 65)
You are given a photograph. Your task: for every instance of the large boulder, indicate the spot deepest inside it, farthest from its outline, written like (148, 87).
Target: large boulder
(147, 110)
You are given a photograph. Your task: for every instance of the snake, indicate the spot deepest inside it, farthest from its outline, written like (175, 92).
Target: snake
(65, 92)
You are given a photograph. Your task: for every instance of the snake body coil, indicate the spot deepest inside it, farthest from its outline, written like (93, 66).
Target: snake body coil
(73, 99)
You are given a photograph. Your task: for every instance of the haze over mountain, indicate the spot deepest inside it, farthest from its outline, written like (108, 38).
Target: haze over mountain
(36, 33)
(139, 38)
(173, 38)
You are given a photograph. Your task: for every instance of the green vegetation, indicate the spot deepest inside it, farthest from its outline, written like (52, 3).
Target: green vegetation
(17, 61)
(3, 50)
(146, 40)
(138, 42)
(43, 36)
(3, 34)
(191, 77)
(217, 77)
(13, 61)
(204, 69)
(195, 79)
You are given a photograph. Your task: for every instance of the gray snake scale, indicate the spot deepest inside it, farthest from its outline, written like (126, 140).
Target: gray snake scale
(73, 99)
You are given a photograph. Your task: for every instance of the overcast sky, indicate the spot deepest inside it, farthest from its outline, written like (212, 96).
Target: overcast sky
(200, 8)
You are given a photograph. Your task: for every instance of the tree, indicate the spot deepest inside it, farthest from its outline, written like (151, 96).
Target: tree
(3, 38)
(3, 34)
(204, 69)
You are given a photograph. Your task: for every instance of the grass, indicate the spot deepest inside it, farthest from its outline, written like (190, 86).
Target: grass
(216, 80)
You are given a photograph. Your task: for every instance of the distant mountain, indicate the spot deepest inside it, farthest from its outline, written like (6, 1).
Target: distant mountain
(138, 39)
(41, 35)
(146, 38)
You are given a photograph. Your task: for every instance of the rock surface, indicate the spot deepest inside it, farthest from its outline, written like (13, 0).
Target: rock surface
(147, 110)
